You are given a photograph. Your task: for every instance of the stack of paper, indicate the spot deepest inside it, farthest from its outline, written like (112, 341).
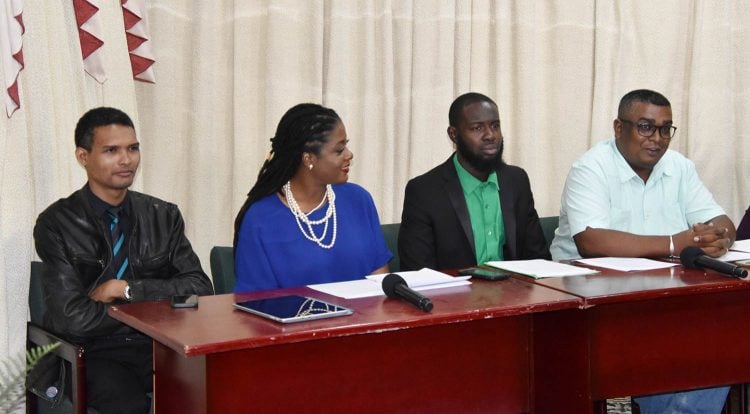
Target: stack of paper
(372, 285)
(627, 264)
(733, 255)
(539, 268)
(740, 250)
(741, 246)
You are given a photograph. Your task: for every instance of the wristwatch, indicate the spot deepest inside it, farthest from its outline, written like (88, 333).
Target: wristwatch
(127, 293)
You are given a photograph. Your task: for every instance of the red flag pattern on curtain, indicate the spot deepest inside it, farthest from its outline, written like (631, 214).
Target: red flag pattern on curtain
(11, 51)
(90, 36)
(139, 46)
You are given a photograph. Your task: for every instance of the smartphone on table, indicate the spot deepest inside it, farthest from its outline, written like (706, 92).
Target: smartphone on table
(484, 273)
(184, 301)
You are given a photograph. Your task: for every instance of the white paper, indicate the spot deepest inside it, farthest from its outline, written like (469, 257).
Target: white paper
(627, 264)
(351, 289)
(539, 268)
(419, 280)
(731, 256)
(741, 246)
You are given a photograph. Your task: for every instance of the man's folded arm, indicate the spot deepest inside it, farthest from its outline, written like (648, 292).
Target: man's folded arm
(186, 274)
(714, 237)
(596, 242)
(70, 310)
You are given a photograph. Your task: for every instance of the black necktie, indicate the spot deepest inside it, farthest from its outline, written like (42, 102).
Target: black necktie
(119, 253)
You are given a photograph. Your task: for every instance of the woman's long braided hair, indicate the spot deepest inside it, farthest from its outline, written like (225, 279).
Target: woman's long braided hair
(303, 128)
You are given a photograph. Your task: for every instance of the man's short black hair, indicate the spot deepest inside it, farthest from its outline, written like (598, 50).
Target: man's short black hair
(454, 113)
(640, 95)
(97, 117)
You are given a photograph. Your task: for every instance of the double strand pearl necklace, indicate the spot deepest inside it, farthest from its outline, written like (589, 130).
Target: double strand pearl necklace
(301, 217)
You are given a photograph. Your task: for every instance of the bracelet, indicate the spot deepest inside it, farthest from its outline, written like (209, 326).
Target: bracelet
(671, 247)
(127, 293)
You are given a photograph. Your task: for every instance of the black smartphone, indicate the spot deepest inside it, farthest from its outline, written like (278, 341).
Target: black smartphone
(486, 274)
(184, 301)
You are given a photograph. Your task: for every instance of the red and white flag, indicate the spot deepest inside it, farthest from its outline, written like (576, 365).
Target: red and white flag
(139, 46)
(11, 51)
(90, 35)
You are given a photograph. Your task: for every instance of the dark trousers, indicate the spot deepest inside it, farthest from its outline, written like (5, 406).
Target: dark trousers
(119, 374)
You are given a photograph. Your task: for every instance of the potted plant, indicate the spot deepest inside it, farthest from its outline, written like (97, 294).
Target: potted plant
(13, 373)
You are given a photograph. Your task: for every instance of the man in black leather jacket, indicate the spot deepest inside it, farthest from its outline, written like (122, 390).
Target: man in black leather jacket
(74, 241)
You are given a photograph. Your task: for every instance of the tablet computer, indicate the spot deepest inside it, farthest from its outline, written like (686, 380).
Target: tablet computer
(292, 308)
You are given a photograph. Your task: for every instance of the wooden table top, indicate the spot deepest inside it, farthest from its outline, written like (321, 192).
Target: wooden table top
(215, 326)
(609, 286)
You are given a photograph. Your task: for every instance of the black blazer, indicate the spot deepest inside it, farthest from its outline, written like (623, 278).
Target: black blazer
(435, 226)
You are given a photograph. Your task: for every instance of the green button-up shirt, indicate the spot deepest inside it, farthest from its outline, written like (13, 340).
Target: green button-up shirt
(483, 202)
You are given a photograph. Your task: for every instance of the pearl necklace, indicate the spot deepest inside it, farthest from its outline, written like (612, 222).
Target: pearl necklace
(301, 217)
(308, 307)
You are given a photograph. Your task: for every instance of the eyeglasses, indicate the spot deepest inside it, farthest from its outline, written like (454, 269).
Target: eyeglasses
(647, 130)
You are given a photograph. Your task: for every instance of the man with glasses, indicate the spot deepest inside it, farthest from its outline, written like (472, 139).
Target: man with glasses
(632, 197)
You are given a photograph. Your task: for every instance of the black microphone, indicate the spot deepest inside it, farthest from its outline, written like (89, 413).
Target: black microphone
(395, 286)
(692, 256)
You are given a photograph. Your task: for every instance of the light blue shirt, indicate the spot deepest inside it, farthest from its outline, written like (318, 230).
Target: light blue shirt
(603, 191)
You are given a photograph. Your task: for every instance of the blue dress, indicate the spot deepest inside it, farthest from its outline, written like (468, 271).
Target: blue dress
(272, 252)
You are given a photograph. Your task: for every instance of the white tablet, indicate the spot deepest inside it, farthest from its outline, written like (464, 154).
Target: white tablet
(292, 308)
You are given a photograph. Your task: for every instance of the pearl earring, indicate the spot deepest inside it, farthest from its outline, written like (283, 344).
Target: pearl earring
(309, 167)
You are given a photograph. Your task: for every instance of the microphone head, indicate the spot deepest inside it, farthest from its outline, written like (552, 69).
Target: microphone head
(689, 255)
(389, 284)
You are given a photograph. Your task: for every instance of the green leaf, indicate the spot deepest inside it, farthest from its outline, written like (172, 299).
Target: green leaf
(13, 373)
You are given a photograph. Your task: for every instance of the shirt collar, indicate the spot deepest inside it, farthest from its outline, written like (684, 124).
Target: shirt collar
(626, 173)
(100, 206)
(469, 183)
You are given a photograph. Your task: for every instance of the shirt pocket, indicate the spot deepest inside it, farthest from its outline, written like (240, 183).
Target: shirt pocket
(155, 267)
(89, 268)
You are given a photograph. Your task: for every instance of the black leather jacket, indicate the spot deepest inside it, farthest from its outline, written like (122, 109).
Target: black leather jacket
(75, 248)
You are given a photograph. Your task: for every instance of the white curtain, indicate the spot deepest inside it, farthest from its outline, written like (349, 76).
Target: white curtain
(227, 70)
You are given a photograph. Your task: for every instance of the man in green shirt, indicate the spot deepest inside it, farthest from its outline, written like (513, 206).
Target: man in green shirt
(472, 208)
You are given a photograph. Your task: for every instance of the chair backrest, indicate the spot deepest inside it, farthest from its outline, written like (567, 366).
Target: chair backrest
(549, 224)
(73, 354)
(36, 295)
(390, 234)
(222, 269)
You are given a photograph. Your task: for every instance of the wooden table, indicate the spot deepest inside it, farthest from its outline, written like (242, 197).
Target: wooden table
(641, 333)
(472, 353)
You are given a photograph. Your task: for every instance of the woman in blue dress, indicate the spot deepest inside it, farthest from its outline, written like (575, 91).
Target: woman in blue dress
(302, 223)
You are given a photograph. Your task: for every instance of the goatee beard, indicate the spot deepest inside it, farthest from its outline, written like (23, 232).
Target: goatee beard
(477, 161)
